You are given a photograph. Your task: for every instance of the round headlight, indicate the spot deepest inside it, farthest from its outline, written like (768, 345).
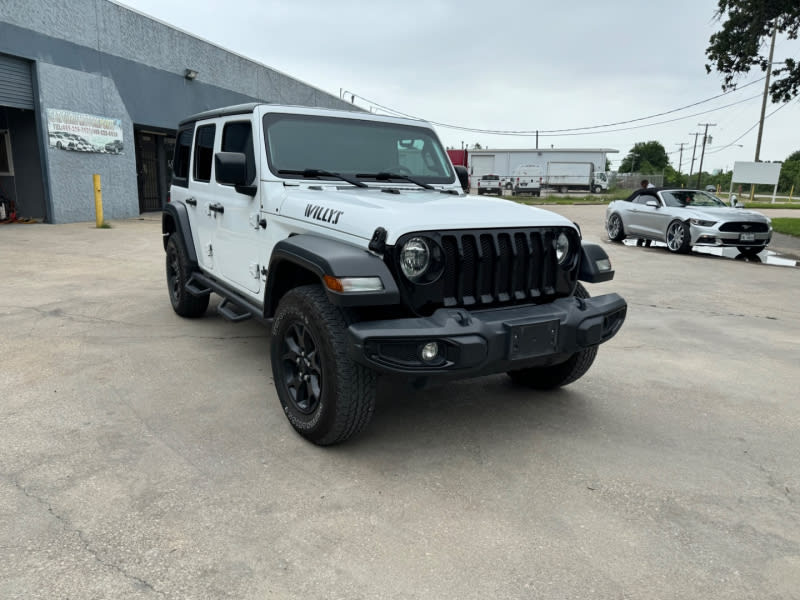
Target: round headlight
(562, 247)
(415, 258)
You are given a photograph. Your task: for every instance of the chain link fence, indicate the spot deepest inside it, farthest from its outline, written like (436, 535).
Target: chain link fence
(631, 181)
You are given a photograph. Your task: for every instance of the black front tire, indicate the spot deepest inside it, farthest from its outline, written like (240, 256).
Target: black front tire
(554, 376)
(179, 270)
(678, 237)
(326, 396)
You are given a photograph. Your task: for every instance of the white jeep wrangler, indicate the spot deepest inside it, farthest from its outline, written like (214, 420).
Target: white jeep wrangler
(351, 233)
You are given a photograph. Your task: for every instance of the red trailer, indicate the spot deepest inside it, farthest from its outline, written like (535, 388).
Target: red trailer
(459, 158)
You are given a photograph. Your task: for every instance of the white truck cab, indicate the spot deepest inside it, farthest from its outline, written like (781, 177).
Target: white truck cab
(350, 234)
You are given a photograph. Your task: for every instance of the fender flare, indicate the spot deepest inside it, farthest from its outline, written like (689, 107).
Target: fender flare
(176, 214)
(323, 256)
(595, 265)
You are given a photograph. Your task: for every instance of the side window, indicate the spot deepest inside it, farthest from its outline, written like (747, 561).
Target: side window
(644, 198)
(180, 160)
(204, 152)
(237, 136)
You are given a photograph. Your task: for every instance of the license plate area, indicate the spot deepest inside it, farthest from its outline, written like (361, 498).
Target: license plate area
(531, 340)
(747, 237)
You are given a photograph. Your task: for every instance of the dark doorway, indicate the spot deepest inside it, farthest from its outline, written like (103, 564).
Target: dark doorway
(21, 187)
(153, 158)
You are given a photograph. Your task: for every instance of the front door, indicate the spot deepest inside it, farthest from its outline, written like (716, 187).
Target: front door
(239, 236)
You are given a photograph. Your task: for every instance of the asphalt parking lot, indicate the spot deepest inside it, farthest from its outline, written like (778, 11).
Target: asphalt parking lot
(147, 456)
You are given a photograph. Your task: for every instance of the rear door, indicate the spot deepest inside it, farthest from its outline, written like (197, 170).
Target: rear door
(201, 194)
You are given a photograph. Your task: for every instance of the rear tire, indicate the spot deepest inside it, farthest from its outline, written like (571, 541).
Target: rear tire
(179, 270)
(615, 228)
(553, 376)
(326, 396)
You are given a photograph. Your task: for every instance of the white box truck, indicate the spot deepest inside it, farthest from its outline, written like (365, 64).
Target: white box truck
(567, 176)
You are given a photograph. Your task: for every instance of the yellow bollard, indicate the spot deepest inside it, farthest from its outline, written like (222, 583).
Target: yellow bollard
(98, 201)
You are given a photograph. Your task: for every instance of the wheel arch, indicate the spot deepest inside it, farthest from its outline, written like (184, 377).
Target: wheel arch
(304, 259)
(175, 220)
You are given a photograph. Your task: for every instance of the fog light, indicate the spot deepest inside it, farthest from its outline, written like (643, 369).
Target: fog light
(430, 351)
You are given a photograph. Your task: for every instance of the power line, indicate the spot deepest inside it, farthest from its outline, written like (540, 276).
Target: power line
(749, 130)
(553, 132)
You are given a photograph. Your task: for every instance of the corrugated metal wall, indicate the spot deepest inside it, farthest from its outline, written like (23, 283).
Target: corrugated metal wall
(16, 89)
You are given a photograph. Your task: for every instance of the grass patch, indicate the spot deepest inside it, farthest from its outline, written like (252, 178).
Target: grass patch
(104, 225)
(787, 225)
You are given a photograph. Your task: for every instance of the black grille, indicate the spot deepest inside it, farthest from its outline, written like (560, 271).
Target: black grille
(748, 226)
(498, 267)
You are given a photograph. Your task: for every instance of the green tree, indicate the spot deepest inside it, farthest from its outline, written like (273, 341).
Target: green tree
(740, 45)
(790, 173)
(645, 157)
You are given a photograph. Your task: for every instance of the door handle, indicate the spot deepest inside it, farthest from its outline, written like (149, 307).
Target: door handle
(217, 208)
(191, 201)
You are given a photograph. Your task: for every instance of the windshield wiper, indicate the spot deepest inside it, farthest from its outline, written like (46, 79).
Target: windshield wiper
(386, 176)
(316, 173)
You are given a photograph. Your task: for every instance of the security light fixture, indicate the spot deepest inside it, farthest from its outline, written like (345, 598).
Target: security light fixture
(190, 74)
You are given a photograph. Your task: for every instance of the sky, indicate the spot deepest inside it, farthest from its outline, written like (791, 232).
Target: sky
(513, 65)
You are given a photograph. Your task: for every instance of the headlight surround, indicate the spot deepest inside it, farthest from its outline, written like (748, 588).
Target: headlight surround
(421, 260)
(562, 247)
(702, 223)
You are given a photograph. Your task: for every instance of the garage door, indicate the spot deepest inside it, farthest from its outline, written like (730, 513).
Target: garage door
(16, 89)
(482, 165)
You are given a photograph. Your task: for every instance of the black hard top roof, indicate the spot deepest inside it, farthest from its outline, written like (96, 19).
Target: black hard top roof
(237, 109)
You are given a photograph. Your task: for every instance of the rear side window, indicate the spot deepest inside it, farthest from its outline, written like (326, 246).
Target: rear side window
(203, 152)
(180, 160)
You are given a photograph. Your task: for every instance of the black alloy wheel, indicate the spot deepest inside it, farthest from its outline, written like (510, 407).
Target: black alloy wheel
(302, 372)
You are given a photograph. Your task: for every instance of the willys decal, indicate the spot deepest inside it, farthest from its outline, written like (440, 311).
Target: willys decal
(320, 213)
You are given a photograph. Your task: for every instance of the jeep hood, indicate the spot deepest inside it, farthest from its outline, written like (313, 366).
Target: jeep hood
(359, 212)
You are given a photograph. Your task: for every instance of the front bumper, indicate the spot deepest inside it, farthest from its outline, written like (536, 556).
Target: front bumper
(711, 236)
(487, 341)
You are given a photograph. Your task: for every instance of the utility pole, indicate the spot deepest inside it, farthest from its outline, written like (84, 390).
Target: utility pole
(694, 151)
(680, 160)
(766, 93)
(764, 104)
(537, 139)
(702, 154)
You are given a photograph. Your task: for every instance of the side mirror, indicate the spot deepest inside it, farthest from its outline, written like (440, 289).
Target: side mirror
(231, 169)
(652, 203)
(463, 177)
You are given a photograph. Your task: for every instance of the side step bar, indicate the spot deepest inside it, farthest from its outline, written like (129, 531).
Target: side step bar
(232, 311)
(195, 288)
(233, 307)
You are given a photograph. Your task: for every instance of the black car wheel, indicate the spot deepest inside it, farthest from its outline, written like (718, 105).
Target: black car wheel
(179, 270)
(553, 376)
(615, 229)
(678, 237)
(326, 396)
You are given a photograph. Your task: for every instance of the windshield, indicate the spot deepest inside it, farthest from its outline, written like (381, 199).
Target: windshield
(682, 198)
(296, 143)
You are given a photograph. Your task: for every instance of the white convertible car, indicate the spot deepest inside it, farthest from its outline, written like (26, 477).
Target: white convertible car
(685, 218)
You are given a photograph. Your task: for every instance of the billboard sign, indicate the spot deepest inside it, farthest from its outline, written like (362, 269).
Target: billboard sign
(80, 132)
